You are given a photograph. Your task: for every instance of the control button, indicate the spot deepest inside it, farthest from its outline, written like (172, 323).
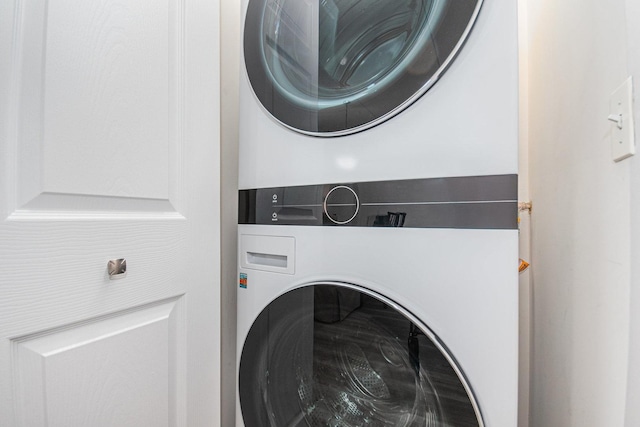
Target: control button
(341, 204)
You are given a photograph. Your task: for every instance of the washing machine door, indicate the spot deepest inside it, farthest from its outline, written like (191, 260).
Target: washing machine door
(334, 67)
(333, 354)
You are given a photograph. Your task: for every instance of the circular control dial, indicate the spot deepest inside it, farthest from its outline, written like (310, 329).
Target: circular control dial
(341, 204)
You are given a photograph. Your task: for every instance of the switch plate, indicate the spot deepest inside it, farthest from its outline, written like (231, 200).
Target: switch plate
(621, 114)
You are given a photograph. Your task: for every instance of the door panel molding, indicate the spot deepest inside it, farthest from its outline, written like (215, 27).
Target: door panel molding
(78, 150)
(151, 369)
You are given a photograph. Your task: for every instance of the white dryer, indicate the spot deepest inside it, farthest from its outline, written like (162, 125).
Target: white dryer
(370, 90)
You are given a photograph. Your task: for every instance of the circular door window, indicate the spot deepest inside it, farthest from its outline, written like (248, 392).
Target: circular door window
(334, 67)
(331, 354)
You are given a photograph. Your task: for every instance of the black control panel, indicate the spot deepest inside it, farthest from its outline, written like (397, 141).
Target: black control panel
(480, 202)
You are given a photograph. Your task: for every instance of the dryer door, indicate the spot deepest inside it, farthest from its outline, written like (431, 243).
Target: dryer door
(333, 67)
(331, 354)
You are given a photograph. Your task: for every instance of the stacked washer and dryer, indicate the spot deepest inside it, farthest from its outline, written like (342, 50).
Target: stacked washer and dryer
(378, 241)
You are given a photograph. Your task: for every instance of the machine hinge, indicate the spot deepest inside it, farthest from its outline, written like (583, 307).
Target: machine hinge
(524, 206)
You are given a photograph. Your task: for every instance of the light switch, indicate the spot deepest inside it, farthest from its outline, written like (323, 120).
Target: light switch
(621, 115)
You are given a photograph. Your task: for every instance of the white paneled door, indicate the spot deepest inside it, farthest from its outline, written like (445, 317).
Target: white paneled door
(109, 149)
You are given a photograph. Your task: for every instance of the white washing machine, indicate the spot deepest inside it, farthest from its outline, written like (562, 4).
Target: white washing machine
(370, 90)
(378, 214)
(354, 326)
(382, 303)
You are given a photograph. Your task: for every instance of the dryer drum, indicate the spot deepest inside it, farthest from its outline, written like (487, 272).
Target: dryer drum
(366, 365)
(335, 67)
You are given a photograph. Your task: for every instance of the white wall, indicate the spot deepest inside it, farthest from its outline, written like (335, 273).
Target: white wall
(229, 75)
(633, 389)
(581, 214)
(525, 222)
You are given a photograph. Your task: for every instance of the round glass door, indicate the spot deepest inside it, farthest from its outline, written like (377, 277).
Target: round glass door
(336, 355)
(334, 67)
